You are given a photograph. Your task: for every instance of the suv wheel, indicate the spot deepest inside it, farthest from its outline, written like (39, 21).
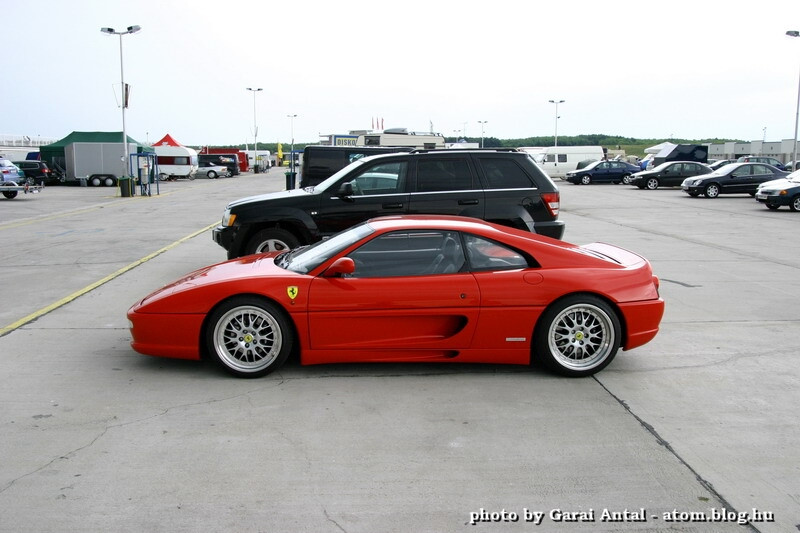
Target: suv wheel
(271, 240)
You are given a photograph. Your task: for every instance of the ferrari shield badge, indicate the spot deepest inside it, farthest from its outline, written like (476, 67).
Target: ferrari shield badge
(292, 291)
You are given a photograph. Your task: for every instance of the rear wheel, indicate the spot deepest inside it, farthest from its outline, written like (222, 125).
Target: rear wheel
(711, 190)
(626, 179)
(578, 336)
(212, 175)
(10, 194)
(271, 240)
(95, 181)
(108, 181)
(249, 336)
(652, 184)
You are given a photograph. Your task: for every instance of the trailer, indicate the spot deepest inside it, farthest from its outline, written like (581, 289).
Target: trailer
(97, 163)
(10, 189)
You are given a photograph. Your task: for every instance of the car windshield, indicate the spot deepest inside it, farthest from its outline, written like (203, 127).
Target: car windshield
(304, 260)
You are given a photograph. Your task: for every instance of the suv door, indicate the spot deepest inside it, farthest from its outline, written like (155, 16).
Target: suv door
(512, 196)
(374, 190)
(445, 184)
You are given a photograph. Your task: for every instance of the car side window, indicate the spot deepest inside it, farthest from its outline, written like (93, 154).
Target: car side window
(502, 173)
(740, 172)
(487, 255)
(383, 178)
(444, 175)
(760, 169)
(409, 253)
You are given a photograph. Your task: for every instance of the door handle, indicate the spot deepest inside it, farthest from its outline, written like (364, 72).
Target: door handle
(468, 202)
(392, 206)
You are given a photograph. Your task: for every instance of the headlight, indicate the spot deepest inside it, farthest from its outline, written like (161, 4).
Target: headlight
(696, 182)
(228, 218)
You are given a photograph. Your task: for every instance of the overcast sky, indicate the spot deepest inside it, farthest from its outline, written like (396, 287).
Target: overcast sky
(682, 69)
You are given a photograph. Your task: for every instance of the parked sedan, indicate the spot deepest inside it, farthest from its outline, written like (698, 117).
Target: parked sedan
(603, 171)
(785, 191)
(669, 174)
(211, 170)
(736, 178)
(417, 288)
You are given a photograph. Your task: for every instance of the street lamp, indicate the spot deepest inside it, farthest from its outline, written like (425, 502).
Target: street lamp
(555, 138)
(482, 122)
(795, 33)
(110, 31)
(255, 130)
(291, 121)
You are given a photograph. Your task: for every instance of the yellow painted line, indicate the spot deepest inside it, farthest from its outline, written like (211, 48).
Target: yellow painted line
(52, 307)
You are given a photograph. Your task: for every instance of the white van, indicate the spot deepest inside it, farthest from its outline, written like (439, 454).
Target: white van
(558, 160)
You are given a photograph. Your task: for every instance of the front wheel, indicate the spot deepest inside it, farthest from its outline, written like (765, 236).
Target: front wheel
(271, 240)
(578, 336)
(795, 205)
(586, 180)
(711, 190)
(652, 184)
(249, 336)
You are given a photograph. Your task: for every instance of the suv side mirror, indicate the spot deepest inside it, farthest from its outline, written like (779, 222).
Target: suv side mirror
(346, 189)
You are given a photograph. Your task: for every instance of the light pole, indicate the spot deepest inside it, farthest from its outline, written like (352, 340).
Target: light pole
(291, 122)
(482, 122)
(795, 33)
(555, 138)
(110, 31)
(255, 130)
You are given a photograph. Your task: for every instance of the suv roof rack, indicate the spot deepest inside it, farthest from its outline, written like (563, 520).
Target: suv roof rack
(495, 149)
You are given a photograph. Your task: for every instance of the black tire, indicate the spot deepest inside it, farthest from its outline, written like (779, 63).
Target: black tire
(795, 204)
(271, 240)
(586, 179)
(248, 336)
(10, 194)
(577, 336)
(95, 181)
(652, 184)
(211, 175)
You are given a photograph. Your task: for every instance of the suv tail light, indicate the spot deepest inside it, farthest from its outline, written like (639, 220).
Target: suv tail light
(553, 202)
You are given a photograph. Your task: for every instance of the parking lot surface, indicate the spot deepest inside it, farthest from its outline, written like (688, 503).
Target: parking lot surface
(696, 431)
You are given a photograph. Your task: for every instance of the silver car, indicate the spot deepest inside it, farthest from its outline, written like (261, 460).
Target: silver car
(10, 172)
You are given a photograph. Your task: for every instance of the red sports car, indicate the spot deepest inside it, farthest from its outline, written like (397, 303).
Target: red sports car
(411, 289)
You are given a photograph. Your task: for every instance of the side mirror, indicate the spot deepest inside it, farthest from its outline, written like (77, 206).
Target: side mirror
(340, 267)
(346, 189)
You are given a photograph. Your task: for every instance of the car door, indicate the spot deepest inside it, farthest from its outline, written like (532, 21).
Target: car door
(761, 174)
(445, 184)
(407, 299)
(673, 175)
(376, 189)
(739, 180)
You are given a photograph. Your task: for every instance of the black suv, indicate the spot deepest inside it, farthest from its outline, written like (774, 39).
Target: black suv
(502, 186)
(38, 171)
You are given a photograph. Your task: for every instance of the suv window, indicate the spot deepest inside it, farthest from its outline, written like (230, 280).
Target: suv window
(444, 175)
(505, 173)
(383, 178)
